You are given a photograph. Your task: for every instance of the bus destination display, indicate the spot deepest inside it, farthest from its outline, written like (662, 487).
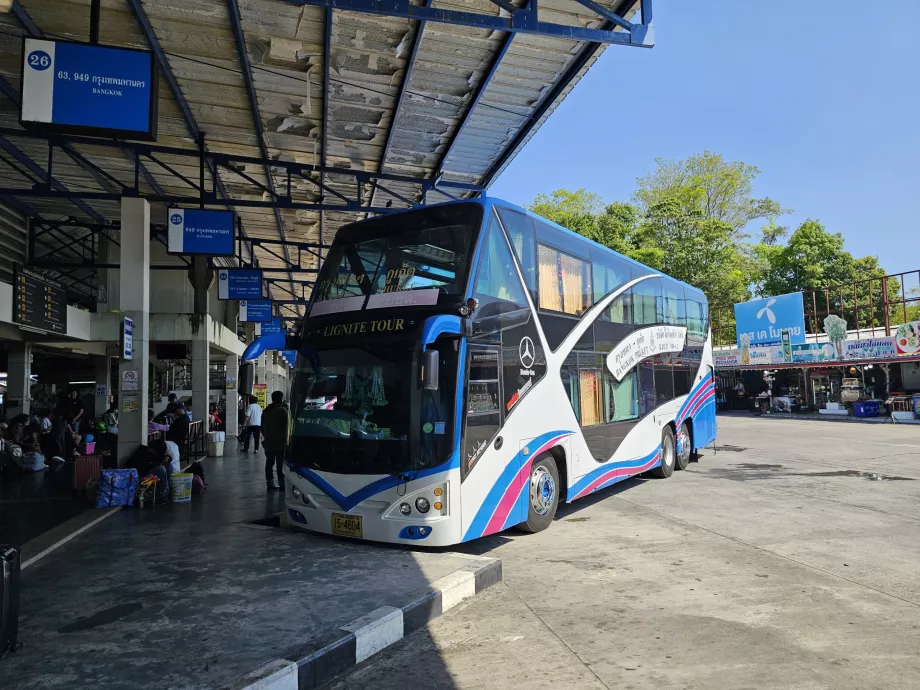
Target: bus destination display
(39, 302)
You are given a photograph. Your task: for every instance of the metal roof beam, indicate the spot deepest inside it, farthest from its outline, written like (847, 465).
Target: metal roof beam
(140, 15)
(36, 169)
(524, 20)
(327, 59)
(253, 103)
(562, 83)
(403, 89)
(480, 90)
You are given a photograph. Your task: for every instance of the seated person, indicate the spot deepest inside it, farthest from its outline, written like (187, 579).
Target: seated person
(28, 439)
(153, 460)
(111, 420)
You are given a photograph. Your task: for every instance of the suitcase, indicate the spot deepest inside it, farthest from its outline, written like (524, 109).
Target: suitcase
(86, 467)
(9, 598)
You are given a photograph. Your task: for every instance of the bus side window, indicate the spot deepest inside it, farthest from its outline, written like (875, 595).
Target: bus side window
(520, 231)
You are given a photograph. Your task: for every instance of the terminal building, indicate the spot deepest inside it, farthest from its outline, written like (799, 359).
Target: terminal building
(823, 352)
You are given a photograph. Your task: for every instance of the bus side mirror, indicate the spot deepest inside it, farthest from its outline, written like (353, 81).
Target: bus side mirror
(246, 378)
(431, 369)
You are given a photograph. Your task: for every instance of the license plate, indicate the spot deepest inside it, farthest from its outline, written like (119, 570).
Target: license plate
(347, 525)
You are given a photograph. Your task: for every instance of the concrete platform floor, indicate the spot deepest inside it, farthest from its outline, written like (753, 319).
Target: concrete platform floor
(789, 561)
(192, 595)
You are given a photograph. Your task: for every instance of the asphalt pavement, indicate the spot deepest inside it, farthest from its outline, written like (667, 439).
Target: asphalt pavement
(788, 558)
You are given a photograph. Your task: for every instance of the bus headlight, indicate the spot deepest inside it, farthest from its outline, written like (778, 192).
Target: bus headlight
(405, 508)
(295, 492)
(422, 505)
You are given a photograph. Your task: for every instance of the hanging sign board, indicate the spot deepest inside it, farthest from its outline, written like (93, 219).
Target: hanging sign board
(256, 310)
(38, 302)
(269, 327)
(239, 283)
(201, 231)
(85, 89)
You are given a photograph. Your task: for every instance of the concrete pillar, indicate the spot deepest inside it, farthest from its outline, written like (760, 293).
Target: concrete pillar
(232, 419)
(18, 383)
(134, 301)
(103, 384)
(201, 364)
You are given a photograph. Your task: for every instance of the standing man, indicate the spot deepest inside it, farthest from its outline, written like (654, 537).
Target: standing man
(276, 428)
(252, 425)
(76, 411)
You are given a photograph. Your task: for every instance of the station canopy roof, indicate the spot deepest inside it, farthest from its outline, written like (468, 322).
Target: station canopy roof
(439, 95)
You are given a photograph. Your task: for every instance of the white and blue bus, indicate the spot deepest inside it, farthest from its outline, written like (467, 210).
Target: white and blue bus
(465, 367)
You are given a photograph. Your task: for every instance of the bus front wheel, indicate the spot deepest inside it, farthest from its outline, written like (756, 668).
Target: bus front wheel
(668, 454)
(543, 494)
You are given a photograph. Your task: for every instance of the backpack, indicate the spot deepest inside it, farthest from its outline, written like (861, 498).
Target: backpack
(197, 469)
(198, 485)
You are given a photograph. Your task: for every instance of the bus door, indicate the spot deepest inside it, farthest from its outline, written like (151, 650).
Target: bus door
(484, 414)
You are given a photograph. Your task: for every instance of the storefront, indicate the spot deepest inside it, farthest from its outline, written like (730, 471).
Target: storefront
(852, 376)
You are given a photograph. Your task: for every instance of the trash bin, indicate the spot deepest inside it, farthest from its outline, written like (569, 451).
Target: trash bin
(215, 449)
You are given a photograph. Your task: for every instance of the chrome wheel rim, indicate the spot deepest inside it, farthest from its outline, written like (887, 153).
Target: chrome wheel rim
(683, 446)
(542, 490)
(667, 453)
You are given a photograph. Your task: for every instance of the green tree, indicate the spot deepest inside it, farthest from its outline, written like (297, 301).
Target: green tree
(707, 184)
(577, 211)
(698, 250)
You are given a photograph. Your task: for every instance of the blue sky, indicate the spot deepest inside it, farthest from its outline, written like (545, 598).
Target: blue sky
(825, 100)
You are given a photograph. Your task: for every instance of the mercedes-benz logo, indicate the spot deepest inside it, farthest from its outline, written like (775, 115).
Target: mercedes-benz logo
(525, 351)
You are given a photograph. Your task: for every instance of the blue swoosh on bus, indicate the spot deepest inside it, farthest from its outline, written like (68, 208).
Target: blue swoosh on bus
(609, 473)
(504, 498)
(702, 393)
(346, 503)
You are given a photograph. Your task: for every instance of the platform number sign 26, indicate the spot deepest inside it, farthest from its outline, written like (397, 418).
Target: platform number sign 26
(39, 60)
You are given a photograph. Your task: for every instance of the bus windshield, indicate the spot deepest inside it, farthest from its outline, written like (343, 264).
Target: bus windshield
(358, 411)
(417, 250)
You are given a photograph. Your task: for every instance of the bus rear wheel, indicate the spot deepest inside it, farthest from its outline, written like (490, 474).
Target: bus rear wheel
(668, 454)
(543, 494)
(684, 447)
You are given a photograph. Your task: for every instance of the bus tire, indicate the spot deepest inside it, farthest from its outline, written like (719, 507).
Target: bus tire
(542, 495)
(668, 454)
(684, 447)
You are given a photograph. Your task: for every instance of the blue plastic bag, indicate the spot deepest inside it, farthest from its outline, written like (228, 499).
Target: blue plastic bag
(116, 488)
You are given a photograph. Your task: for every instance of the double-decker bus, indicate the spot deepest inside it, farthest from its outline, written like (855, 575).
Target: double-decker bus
(463, 368)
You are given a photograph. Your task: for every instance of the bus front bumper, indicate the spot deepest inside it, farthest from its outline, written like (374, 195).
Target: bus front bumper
(393, 515)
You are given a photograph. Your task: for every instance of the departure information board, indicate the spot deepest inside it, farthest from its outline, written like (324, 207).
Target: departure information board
(38, 302)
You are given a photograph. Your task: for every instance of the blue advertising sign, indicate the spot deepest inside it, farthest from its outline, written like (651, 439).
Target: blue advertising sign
(201, 231)
(763, 321)
(257, 311)
(290, 356)
(239, 283)
(273, 326)
(88, 89)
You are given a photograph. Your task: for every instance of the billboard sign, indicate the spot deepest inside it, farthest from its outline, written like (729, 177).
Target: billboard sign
(88, 89)
(201, 231)
(870, 348)
(764, 320)
(257, 311)
(239, 283)
(813, 352)
(726, 359)
(907, 338)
